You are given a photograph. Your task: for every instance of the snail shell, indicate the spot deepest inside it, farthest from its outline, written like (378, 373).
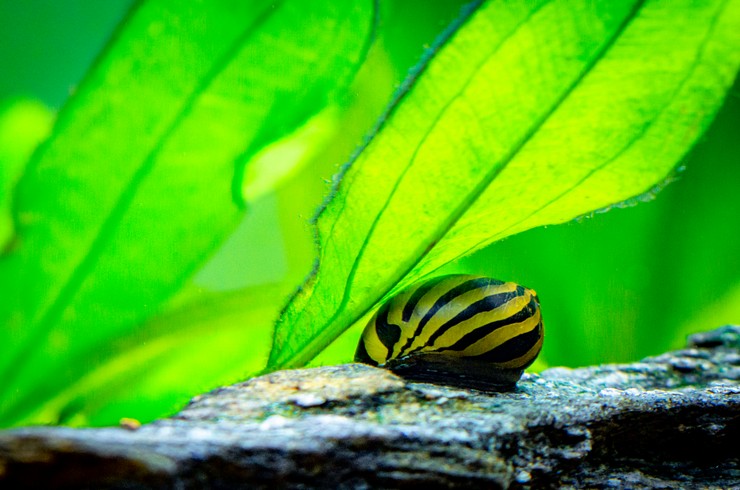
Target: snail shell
(460, 330)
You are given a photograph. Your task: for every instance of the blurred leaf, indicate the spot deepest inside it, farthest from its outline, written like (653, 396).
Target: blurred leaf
(282, 159)
(137, 184)
(316, 151)
(47, 46)
(24, 123)
(158, 369)
(725, 310)
(410, 26)
(533, 113)
(255, 253)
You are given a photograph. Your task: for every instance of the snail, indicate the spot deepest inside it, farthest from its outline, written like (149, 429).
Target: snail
(459, 330)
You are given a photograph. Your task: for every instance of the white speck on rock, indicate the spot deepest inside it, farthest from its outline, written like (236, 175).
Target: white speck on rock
(198, 433)
(523, 477)
(274, 422)
(307, 400)
(610, 392)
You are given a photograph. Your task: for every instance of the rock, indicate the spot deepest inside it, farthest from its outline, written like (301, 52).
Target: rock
(671, 421)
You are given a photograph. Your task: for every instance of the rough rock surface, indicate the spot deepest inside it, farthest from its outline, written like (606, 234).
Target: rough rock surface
(671, 421)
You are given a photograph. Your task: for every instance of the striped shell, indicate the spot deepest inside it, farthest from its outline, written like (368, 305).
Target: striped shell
(460, 330)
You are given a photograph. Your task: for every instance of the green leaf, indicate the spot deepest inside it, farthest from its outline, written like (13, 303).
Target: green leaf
(635, 282)
(141, 177)
(160, 368)
(24, 123)
(533, 113)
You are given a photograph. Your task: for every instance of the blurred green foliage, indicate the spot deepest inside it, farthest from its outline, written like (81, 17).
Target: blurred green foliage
(614, 287)
(24, 123)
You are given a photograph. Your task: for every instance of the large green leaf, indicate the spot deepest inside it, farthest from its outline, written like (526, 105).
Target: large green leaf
(533, 113)
(157, 370)
(141, 177)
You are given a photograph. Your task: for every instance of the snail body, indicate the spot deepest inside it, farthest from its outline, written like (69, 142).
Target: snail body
(460, 330)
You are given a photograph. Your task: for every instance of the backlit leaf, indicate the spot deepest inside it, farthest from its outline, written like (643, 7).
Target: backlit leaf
(533, 113)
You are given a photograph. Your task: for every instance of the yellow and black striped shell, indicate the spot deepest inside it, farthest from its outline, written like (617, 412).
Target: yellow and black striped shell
(460, 330)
